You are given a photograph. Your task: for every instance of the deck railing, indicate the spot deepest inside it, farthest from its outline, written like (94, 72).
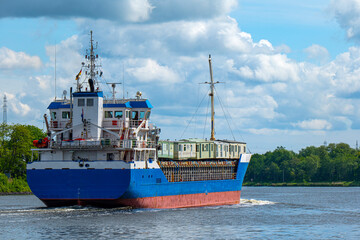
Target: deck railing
(104, 143)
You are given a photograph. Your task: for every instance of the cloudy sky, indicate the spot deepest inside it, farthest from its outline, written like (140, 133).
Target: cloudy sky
(290, 70)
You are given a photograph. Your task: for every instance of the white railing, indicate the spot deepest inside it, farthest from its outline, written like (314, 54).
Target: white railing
(58, 124)
(113, 124)
(104, 143)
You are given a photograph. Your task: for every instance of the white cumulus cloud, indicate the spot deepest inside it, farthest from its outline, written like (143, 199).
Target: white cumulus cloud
(314, 124)
(347, 13)
(317, 52)
(10, 59)
(148, 70)
(16, 105)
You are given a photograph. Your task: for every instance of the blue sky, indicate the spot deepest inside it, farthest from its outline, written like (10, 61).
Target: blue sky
(291, 68)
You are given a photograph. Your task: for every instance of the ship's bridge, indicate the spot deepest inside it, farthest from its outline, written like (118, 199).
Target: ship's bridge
(113, 115)
(125, 113)
(59, 114)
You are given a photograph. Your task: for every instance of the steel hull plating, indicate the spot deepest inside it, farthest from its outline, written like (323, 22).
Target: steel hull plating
(137, 188)
(174, 201)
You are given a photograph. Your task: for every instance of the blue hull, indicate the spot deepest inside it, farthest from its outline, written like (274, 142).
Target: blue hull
(108, 187)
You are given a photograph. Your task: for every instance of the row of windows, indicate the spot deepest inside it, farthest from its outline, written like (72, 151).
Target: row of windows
(64, 115)
(135, 115)
(206, 147)
(115, 114)
(119, 114)
(89, 102)
(182, 147)
(108, 114)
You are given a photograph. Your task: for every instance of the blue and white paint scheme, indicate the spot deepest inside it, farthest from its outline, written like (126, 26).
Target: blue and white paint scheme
(104, 152)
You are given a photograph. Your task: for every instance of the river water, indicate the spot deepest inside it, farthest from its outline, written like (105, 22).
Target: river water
(264, 213)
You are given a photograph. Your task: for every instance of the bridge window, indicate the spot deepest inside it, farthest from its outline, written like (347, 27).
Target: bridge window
(118, 114)
(66, 115)
(90, 102)
(108, 114)
(147, 115)
(53, 115)
(142, 115)
(135, 115)
(81, 102)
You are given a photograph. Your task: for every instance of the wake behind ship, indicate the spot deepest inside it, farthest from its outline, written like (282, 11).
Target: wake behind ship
(106, 152)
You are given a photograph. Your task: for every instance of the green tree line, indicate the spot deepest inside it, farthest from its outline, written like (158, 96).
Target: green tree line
(331, 163)
(15, 152)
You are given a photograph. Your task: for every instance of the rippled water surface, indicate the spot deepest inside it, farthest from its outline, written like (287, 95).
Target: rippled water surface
(264, 213)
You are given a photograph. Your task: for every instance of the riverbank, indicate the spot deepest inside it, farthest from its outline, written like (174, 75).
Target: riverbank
(304, 184)
(15, 193)
(13, 185)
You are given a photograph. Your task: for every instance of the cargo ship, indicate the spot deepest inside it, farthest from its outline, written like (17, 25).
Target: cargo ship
(107, 153)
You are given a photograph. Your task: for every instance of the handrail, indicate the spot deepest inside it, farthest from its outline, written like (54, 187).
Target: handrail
(105, 143)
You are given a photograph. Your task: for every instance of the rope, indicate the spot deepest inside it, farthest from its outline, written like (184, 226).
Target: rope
(193, 116)
(221, 104)
(207, 111)
(231, 122)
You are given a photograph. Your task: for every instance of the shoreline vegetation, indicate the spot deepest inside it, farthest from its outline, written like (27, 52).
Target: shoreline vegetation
(16, 141)
(307, 184)
(10, 186)
(328, 165)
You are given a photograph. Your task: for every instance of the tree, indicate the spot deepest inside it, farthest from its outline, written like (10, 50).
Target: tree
(16, 146)
(335, 162)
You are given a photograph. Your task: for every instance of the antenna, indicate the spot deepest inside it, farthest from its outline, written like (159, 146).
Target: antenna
(113, 85)
(5, 110)
(92, 66)
(123, 83)
(55, 70)
(64, 94)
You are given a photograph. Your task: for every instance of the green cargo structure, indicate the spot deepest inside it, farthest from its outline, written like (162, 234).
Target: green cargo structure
(200, 149)
(166, 149)
(227, 149)
(184, 149)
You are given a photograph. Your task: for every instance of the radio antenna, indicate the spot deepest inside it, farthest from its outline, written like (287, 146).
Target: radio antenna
(113, 85)
(123, 83)
(55, 70)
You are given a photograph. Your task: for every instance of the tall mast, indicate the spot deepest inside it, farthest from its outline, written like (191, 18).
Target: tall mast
(212, 138)
(92, 58)
(92, 71)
